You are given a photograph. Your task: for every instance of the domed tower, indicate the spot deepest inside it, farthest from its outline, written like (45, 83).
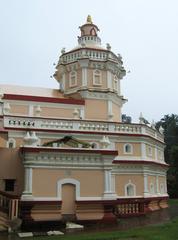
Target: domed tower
(93, 73)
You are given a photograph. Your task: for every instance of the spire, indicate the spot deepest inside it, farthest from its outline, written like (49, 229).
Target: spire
(89, 20)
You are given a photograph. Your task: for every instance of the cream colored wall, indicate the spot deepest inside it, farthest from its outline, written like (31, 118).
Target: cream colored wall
(96, 109)
(122, 180)
(11, 167)
(19, 109)
(3, 139)
(136, 149)
(45, 181)
(56, 112)
(117, 112)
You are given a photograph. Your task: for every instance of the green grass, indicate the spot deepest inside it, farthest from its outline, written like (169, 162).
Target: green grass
(167, 231)
(173, 201)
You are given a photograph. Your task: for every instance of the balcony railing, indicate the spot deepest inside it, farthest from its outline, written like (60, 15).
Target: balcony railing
(80, 125)
(9, 204)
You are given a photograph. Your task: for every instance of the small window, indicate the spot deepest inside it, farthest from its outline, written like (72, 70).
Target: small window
(73, 79)
(11, 143)
(97, 77)
(128, 149)
(9, 185)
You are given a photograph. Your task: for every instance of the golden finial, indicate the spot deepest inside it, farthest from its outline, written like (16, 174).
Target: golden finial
(89, 20)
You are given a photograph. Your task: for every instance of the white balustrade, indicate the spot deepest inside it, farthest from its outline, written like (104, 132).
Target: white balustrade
(80, 125)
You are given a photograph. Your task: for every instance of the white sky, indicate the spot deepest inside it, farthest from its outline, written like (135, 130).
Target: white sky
(144, 32)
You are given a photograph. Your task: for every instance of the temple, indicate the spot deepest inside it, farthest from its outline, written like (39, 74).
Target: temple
(68, 155)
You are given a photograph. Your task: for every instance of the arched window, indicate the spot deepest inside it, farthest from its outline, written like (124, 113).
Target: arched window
(73, 79)
(11, 143)
(130, 189)
(93, 32)
(115, 83)
(152, 188)
(97, 77)
(128, 149)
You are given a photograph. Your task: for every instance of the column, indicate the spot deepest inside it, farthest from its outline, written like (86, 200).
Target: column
(146, 193)
(84, 77)
(109, 80)
(108, 191)
(143, 150)
(110, 113)
(157, 185)
(27, 193)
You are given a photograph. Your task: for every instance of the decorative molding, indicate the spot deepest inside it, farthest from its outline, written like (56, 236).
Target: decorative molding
(43, 99)
(68, 181)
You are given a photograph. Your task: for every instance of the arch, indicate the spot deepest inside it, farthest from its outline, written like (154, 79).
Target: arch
(130, 189)
(68, 181)
(97, 77)
(128, 148)
(93, 32)
(73, 79)
(11, 143)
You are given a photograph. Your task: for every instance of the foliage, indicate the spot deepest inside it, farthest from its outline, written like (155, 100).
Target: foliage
(170, 125)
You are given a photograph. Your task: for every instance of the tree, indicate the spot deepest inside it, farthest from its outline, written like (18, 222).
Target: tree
(170, 125)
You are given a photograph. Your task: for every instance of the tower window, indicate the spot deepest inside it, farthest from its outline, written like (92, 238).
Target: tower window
(73, 79)
(128, 149)
(97, 77)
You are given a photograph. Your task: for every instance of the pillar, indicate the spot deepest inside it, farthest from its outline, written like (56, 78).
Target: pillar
(27, 193)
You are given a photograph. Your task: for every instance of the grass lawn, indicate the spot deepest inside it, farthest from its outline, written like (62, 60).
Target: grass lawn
(173, 201)
(167, 231)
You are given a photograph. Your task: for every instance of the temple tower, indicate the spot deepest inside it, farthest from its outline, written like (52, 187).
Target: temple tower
(92, 72)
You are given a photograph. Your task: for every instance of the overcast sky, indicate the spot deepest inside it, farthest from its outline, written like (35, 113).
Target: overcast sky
(144, 32)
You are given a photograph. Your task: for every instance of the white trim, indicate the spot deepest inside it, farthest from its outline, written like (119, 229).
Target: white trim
(145, 185)
(84, 77)
(27, 193)
(143, 149)
(109, 80)
(68, 181)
